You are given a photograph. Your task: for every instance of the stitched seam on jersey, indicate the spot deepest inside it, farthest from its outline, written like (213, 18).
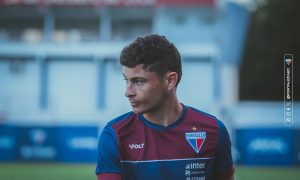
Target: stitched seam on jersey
(167, 160)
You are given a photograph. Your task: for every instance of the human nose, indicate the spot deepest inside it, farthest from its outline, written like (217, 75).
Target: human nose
(129, 92)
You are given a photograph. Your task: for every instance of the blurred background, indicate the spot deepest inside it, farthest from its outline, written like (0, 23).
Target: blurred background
(60, 80)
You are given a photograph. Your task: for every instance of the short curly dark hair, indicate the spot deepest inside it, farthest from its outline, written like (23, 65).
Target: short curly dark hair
(155, 52)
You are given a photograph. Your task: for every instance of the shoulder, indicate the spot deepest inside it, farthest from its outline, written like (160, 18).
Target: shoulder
(205, 118)
(119, 122)
(120, 118)
(198, 112)
(109, 130)
(202, 117)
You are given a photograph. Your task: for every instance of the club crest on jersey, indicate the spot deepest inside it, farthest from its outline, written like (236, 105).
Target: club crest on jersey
(288, 61)
(196, 140)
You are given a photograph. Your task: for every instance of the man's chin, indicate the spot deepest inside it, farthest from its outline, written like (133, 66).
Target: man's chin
(137, 111)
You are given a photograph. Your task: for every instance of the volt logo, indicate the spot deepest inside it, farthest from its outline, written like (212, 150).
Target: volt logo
(136, 146)
(196, 140)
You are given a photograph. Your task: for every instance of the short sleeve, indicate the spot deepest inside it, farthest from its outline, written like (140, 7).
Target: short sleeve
(224, 164)
(108, 155)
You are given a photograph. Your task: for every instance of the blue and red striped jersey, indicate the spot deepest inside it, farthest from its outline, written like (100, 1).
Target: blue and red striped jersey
(196, 147)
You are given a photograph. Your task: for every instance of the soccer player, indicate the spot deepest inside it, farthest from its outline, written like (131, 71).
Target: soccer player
(161, 139)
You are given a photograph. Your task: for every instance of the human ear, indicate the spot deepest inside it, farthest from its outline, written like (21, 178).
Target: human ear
(172, 78)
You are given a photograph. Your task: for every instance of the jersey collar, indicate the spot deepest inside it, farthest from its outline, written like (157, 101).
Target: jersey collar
(159, 127)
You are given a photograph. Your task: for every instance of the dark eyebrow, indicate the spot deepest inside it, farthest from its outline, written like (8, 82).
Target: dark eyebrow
(138, 78)
(134, 78)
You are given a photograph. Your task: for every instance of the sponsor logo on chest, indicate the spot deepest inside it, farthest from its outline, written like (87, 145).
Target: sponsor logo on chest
(136, 146)
(195, 171)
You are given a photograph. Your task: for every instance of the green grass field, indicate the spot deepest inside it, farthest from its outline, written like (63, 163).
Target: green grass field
(267, 173)
(34, 171)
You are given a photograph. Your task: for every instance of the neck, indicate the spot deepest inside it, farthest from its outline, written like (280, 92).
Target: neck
(167, 114)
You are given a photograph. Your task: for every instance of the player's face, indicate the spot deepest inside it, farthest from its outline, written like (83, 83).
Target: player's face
(145, 90)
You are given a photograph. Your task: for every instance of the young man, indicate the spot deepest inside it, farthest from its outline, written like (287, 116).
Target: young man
(161, 139)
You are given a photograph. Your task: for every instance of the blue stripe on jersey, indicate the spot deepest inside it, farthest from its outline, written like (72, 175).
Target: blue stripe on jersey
(165, 160)
(224, 158)
(175, 169)
(108, 152)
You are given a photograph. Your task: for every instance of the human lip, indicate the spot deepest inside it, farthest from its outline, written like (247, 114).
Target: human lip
(134, 103)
